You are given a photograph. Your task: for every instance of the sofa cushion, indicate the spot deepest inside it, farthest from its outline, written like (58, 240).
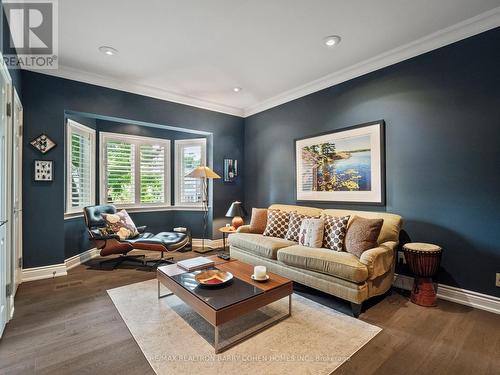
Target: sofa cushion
(259, 244)
(258, 221)
(311, 232)
(277, 223)
(339, 264)
(334, 233)
(390, 228)
(295, 221)
(362, 235)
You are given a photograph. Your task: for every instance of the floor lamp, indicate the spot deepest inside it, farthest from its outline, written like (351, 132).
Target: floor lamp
(205, 174)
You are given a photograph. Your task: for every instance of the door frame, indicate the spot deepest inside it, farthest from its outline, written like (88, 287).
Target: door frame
(6, 268)
(17, 185)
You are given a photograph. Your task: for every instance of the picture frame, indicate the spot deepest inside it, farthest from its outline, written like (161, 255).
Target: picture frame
(43, 170)
(230, 170)
(43, 143)
(345, 166)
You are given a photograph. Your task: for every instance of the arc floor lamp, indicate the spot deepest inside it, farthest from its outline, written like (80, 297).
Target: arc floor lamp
(205, 174)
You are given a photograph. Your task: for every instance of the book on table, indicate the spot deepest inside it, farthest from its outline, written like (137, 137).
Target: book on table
(197, 263)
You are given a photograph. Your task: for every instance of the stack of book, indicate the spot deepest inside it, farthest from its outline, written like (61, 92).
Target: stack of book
(197, 263)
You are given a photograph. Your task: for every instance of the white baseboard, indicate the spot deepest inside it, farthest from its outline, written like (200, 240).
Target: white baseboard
(11, 304)
(457, 295)
(78, 259)
(44, 272)
(56, 270)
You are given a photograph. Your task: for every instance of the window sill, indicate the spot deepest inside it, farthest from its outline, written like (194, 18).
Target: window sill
(72, 215)
(75, 215)
(166, 208)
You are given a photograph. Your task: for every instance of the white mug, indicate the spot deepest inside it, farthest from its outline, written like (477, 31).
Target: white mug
(259, 272)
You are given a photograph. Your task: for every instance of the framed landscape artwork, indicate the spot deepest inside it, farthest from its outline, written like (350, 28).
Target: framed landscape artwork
(343, 166)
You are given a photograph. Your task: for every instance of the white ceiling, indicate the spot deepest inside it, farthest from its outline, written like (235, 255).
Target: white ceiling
(196, 51)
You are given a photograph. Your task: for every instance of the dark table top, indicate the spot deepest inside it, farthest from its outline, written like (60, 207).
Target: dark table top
(217, 297)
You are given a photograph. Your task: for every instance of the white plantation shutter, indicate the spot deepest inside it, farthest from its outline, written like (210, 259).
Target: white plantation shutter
(80, 167)
(120, 172)
(152, 162)
(190, 154)
(135, 170)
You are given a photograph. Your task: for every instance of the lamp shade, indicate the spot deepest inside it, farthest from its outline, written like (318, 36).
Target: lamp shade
(236, 209)
(202, 172)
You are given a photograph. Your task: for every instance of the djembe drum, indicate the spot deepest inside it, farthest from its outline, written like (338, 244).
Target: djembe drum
(423, 260)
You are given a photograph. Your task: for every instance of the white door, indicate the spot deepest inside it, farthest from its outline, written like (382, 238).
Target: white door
(17, 189)
(5, 265)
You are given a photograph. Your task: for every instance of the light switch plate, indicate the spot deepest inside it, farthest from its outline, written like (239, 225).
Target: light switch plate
(497, 283)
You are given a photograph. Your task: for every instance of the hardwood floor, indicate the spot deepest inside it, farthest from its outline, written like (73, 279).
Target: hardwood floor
(68, 325)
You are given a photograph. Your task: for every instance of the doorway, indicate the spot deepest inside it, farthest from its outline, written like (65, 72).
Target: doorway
(5, 200)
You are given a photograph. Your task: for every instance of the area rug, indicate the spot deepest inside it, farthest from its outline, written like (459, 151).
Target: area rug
(176, 340)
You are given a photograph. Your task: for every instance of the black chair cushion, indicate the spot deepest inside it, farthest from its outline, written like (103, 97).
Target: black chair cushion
(93, 215)
(171, 240)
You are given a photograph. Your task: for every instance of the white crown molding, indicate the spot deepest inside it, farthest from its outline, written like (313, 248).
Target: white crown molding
(472, 26)
(467, 28)
(457, 295)
(135, 88)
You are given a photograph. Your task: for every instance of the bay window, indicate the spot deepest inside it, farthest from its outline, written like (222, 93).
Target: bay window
(80, 167)
(189, 154)
(135, 171)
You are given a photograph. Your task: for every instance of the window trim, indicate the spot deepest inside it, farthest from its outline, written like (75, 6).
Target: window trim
(75, 127)
(179, 145)
(137, 141)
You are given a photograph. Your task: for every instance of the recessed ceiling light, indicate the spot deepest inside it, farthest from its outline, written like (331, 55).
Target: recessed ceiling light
(237, 89)
(332, 40)
(110, 51)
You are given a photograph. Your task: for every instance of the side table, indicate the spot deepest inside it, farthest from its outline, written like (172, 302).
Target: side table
(225, 231)
(423, 260)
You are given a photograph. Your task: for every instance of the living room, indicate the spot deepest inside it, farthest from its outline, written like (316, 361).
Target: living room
(228, 186)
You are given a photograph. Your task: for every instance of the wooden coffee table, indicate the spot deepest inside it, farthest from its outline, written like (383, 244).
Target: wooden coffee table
(223, 304)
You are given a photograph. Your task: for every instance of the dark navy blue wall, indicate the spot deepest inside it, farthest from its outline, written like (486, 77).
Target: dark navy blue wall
(75, 233)
(45, 100)
(442, 113)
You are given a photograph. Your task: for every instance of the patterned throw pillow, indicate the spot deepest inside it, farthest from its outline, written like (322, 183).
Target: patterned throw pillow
(121, 224)
(311, 232)
(259, 220)
(335, 229)
(362, 235)
(277, 223)
(292, 233)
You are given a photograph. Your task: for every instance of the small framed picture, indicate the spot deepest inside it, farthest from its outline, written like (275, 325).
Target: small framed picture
(43, 170)
(230, 170)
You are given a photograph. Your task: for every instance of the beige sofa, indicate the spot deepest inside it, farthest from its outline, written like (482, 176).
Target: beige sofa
(337, 273)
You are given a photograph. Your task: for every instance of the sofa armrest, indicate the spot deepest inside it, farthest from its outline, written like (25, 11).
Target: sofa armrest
(244, 229)
(379, 260)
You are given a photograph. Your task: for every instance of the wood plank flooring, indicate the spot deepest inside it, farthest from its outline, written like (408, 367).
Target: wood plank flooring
(68, 325)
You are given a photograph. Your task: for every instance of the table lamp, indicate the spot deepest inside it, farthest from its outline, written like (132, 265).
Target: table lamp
(237, 212)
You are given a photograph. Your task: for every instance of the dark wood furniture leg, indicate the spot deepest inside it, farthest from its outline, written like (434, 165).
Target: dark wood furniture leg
(356, 309)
